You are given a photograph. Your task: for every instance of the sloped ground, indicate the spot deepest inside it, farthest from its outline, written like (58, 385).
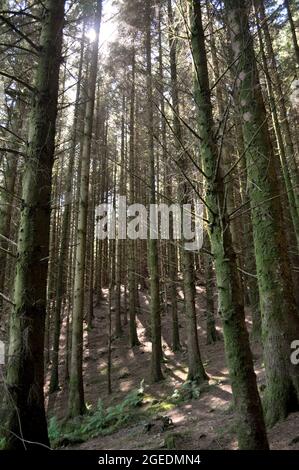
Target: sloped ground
(202, 423)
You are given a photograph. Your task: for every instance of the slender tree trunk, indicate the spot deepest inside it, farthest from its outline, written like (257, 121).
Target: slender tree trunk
(65, 236)
(212, 333)
(172, 249)
(119, 246)
(196, 370)
(131, 245)
(156, 356)
(249, 257)
(6, 198)
(10, 173)
(76, 405)
(293, 30)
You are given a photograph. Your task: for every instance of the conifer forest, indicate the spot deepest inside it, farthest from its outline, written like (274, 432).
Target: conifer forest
(149, 227)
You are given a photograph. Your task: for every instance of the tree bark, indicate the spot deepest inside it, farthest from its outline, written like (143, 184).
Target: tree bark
(131, 246)
(76, 405)
(65, 236)
(251, 430)
(26, 422)
(153, 261)
(280, 321)
(293, 30)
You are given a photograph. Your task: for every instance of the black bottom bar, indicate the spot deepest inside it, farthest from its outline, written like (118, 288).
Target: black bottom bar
(133, 459)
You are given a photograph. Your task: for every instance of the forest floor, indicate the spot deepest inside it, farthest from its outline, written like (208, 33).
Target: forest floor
(206, 422)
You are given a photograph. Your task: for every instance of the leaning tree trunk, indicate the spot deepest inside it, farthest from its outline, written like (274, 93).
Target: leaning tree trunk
(26, 421)
(250, 428)
(76, 405)
(280, 321)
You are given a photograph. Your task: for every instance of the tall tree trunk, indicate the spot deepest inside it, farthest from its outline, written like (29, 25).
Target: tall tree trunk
(251, 430)
(156, 356)
(26, 421)
(249, 257)
(280, 117)
(172, 249)
(212, 333)
(293, 30)
(6, 199)
(65, 235)
(119, 245)
(131, 245)
(76, 405)
(7, 193)
(280, 321)
(196, 370)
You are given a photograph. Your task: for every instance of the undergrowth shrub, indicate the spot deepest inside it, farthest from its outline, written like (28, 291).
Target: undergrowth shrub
(189, 390)
(2, 443)
(103, 421)
(99, 422)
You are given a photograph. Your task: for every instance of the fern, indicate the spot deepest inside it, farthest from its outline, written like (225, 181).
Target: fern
(2, 443)
(53, 429)
(189, 390)
(102, 421)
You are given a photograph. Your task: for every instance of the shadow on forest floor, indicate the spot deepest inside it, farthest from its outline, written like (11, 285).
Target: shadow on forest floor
(202, 423)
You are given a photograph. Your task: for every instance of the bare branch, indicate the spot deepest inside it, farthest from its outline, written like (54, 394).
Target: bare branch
(19, 13)
(15, 152)
(7, 252)
(16, 46)
(7, 299)
(16, 30)
(7, 240)
(12, 133)
(19, 80)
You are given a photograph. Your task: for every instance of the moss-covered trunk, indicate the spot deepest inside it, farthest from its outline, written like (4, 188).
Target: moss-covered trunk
(212, 333)
(26, 419)
(280, 321)
(196, 370)
(279, 116)
(249, 415)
